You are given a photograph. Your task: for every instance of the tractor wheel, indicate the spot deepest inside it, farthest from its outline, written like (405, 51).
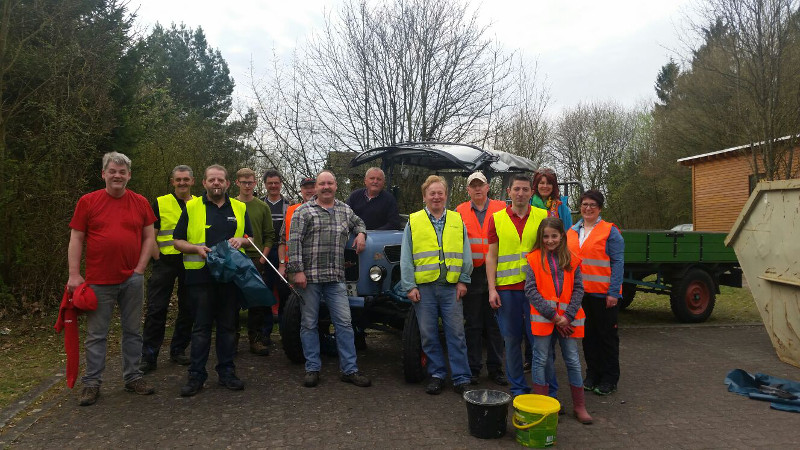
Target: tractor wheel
(290, 330)
(414, 360)
(693, 297)
(628, 293)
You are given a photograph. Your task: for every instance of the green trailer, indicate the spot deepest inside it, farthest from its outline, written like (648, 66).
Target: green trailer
(688, 266)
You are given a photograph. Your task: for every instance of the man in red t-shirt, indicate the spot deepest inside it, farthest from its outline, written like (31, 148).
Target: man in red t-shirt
(116, 225)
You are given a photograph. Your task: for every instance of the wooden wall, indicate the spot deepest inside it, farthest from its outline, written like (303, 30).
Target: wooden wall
(720, 188)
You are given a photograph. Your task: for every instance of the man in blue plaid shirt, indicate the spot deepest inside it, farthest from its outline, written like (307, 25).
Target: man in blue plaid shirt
(317, 238)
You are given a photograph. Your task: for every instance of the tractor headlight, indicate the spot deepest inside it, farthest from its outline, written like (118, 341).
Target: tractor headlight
(376, 273)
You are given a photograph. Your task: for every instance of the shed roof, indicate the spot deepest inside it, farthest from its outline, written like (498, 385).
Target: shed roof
(692, 160)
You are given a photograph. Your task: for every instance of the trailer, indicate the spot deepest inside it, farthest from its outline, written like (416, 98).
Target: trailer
(688, 266)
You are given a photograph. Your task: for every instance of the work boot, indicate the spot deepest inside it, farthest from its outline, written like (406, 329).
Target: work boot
(232, 382)
(499, 378)
(193, 386)
(139, 386)
(257, 346)
(579, 405)
(540, 389)
(357, 378)
(89, 395)
(180, 359)
(311, 379)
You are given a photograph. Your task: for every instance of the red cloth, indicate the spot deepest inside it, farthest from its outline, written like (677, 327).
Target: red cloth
(113, 228)
(518, 222)
(68, 321)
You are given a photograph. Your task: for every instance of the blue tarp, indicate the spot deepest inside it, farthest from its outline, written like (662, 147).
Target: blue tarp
(229, 265)
(763, 387)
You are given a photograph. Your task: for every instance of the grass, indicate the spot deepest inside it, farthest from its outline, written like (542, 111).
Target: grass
(31, 351)
(733, 306)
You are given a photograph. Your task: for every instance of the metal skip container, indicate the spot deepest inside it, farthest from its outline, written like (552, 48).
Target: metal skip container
(766, 239)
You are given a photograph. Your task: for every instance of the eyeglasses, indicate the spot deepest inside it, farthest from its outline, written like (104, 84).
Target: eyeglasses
(590, 205)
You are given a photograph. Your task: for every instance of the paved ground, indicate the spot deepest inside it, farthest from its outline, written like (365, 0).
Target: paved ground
(671, 396)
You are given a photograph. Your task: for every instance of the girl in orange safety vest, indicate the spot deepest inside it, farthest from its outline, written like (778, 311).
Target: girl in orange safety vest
(555, 291)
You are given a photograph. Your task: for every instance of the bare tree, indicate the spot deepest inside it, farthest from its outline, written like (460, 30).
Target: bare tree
(762, 68)
(588, 138)
(523, 129)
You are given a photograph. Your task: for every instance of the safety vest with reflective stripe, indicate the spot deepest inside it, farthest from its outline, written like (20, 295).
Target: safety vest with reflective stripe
(428, 254)
(511, 250)
(478, 234)
(541, 326)
(169, 211)
(596, 264)
(287, 222)
(196, 228)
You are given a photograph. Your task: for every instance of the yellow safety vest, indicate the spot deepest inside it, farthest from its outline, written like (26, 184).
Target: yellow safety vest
(169, 211)
(196, 228)
(428, 254)
(511, 250)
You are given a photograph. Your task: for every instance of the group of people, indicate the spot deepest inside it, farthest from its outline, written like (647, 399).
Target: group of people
(498, 276)
(121, 232)
(515, 274)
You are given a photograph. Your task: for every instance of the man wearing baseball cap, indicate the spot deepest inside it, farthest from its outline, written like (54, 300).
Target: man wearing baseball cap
(478, 315)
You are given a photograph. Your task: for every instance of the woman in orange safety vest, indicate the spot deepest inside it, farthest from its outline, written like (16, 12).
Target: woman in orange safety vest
(554, 289)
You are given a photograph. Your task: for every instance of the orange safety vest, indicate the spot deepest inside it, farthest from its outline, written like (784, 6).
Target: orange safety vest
(596, 264)
(541, 326)
(287, 219)
(478, 234)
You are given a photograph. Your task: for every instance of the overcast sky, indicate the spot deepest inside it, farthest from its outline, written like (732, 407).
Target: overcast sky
(586, 50)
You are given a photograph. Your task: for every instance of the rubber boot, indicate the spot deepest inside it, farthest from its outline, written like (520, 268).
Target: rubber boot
(540, 389)
(579, 405)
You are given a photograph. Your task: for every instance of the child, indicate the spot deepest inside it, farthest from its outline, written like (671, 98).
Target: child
(554, 288)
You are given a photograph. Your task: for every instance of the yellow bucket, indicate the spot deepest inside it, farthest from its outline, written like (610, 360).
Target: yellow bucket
(536, 419)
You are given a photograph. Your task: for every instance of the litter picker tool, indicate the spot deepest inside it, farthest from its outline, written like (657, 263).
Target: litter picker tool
(294, 291)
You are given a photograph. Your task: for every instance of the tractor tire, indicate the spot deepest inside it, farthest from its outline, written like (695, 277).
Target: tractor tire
(414, 360)
(290, 330)
(693, 297)
(628, 293)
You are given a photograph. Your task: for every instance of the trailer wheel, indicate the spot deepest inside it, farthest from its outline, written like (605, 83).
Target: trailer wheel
(693, 297)
(628, 293)
(414, 360)
(290, 330)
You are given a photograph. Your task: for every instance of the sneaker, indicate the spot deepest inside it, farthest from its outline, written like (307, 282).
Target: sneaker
(311, 379)
(589, 384)
(89, 395)
(527, 367)
(499, 378)
(232, 382)
(193, 386)
(147, 366)
(605, 388)
(180, 359)
(460, 388)
(257, 345)
(139, 386)
(435, 387)
(356, 378)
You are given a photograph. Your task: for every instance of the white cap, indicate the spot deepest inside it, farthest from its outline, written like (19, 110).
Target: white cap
(478, 175)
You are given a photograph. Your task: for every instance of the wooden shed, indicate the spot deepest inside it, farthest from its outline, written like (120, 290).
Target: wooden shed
(721, 184)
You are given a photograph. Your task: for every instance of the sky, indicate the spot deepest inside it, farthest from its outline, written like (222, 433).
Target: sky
(585, 50)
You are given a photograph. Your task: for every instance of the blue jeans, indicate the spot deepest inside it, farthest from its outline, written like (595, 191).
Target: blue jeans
(339, 307)
(439, 300)
(213, 303)
(514, 319)
(569, 351)
(130, 296)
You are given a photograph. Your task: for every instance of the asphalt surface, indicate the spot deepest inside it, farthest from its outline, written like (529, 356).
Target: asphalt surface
(671, 395)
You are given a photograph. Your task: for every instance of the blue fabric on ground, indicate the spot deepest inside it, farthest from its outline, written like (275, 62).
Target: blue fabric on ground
(743, 383)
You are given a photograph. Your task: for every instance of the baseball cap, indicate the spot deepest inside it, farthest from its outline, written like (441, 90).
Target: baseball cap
(476, 176)
(308, 180)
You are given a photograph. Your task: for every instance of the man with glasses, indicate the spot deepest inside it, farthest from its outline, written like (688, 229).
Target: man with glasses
(259, 318)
